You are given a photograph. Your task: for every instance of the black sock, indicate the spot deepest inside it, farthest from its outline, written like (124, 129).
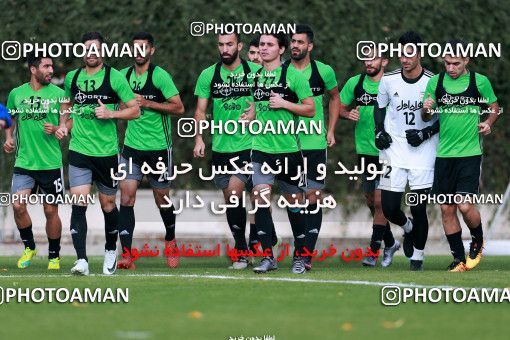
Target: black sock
(456, 246)
(477, 234)
(377, 237)
(420, 225)
(168, 216)
(236, 218)
(126, 226)
(111, 222)
(253, 238)
(312, 227)
(53, 248)
(264, 226)
(298, 225)
(274, 239)
(27, 237)
(79, 231)
(388, 238)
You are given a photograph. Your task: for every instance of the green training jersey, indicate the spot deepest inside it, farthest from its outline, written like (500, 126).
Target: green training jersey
(91, 136)
(153, 129)
(35, 149)
(296, 86)
(226, 105)
(458, 132)
(325, 80)
(364, 131)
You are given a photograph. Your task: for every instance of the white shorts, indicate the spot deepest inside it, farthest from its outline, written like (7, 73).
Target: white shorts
(395, 179)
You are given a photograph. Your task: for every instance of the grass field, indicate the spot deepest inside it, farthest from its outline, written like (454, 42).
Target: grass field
(204, 300)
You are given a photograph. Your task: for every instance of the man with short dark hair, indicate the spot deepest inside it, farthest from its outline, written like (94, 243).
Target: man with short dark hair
(35, 108)
(459, 95)
(408, 146)
(227, 84)
(281, 94)
(360, 93)
(95, 90)
(148, 141)
(253, 51)
(322, 79)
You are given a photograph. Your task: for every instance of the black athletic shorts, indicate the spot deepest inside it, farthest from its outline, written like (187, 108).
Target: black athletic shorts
(223, 159)
(369, 185)
(46, 182)
(314, 159)
(289, 180)
(457, 175)
(85, 169)
(151, 158)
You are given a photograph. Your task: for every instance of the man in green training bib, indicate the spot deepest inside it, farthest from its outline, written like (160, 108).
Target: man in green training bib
(35, 107)
(148, 141)
(458, 96)
(322, 79)
(228, 84)
(281, 94)
(95, 90)
(360, 93)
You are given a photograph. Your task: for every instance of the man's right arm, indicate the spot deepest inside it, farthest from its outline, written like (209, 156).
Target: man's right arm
(382, 138)
(203, 93)
(9, 140)
(65, 123)
(9, 144)
(199, 150)
(429, 100)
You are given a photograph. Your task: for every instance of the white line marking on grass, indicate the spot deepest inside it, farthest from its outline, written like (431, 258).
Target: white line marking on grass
(225, 277)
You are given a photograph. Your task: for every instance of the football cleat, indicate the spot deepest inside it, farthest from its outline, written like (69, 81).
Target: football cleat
(110, 262)
(266, 264)
(241, 263)
(54, 263)
(475, 255)
(172, 261)
(370, 261)
(126, 263)
(457, 266)
(298, 265)
(388, 253)
(81, 267)
(26, 257)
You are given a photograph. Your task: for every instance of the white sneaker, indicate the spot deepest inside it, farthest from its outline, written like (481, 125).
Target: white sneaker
(110, 262)
(241, 263)
(81, 267)
(388, 253)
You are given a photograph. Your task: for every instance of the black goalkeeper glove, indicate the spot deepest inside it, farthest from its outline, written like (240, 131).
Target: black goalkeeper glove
(416, 137)
(382, 139)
